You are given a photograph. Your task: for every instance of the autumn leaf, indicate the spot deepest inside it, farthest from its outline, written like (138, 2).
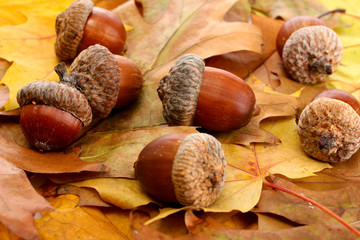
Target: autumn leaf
(28, 43)
(208, 228)
(20, 202)
(46, 162)
(74, 222)
(345, 204)
(186, 27)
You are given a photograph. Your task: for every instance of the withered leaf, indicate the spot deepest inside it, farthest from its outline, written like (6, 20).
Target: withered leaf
(19, 201)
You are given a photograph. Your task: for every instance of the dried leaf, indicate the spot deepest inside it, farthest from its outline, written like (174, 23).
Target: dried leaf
(70, 221)
(345, 204)
(186, 27)
(20, 202)
(46, 162)
(88, 196)
(29, 45)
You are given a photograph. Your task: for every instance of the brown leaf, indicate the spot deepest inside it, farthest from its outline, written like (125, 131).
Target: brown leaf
(346, 204)
(186, 27)
(242, 63)
(19, 201)
(46, 162)
(88, 196)
(207, 228)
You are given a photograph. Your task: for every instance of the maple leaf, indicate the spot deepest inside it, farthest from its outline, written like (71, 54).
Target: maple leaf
(28, 44)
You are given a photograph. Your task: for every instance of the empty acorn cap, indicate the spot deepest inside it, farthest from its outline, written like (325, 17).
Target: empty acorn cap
(329, 130)
(61, 96)
(199, 170)
(179, 90)
(96, 74)
(70, 28)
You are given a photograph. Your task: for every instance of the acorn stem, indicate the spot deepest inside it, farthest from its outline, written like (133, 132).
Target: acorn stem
(64, 76)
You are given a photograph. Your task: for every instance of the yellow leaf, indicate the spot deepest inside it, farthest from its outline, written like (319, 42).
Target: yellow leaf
(69, 221)
(28, 42)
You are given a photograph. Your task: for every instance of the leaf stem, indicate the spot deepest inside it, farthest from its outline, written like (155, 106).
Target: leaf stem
(313, 202)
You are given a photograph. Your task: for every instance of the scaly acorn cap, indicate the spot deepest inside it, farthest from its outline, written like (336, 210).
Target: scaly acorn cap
(312, 53)
(96, 73)
(329, 130)
(59, 95)
(199, 170)
(179, 90)
(69, 28)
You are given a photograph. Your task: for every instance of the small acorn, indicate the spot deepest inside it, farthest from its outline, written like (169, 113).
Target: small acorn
(329, 130)
(311, 54)
(108, 81)
(82, 25)
(212, 98)
(292, 25)
(52, 114)
(183, 168)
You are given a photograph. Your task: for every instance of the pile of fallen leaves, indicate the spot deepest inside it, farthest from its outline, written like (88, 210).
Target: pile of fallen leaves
(89, 190)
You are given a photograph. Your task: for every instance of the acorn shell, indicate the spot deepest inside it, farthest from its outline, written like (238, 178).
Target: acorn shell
(59, 95)
(199, 170)
(69, 28)
(179, 90)
(96, 74)
(329, 130)
(311, 54)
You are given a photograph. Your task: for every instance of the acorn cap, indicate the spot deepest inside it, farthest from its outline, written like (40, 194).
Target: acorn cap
(179, 90)
(61, 96)
(96, 74)
(199, 170)
(312, 53)
(70, 28)
(329, 130)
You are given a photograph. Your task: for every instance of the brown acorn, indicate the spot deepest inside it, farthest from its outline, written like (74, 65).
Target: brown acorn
(329, 130)
(311, 54)
(52, 114)
(82, 25)
(212, 98)
(183, 168)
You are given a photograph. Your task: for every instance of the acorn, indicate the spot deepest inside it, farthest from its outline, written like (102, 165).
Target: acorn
(311, 54)
(292, 25)
(212, 98)
(340, 95)
(183, 168)
(329, 129)
(97, 74)
(52, 114)
(82, 25)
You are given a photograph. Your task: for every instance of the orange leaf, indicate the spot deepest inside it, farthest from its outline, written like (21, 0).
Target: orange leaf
(19, 201)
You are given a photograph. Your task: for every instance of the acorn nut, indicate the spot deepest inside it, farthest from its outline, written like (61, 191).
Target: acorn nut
(107, 80)
(311, 54)
(212, 98)
(52, 114)
(82, 25)
(293, 24)
(182, 168)
(340, 95)
(329, 130)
